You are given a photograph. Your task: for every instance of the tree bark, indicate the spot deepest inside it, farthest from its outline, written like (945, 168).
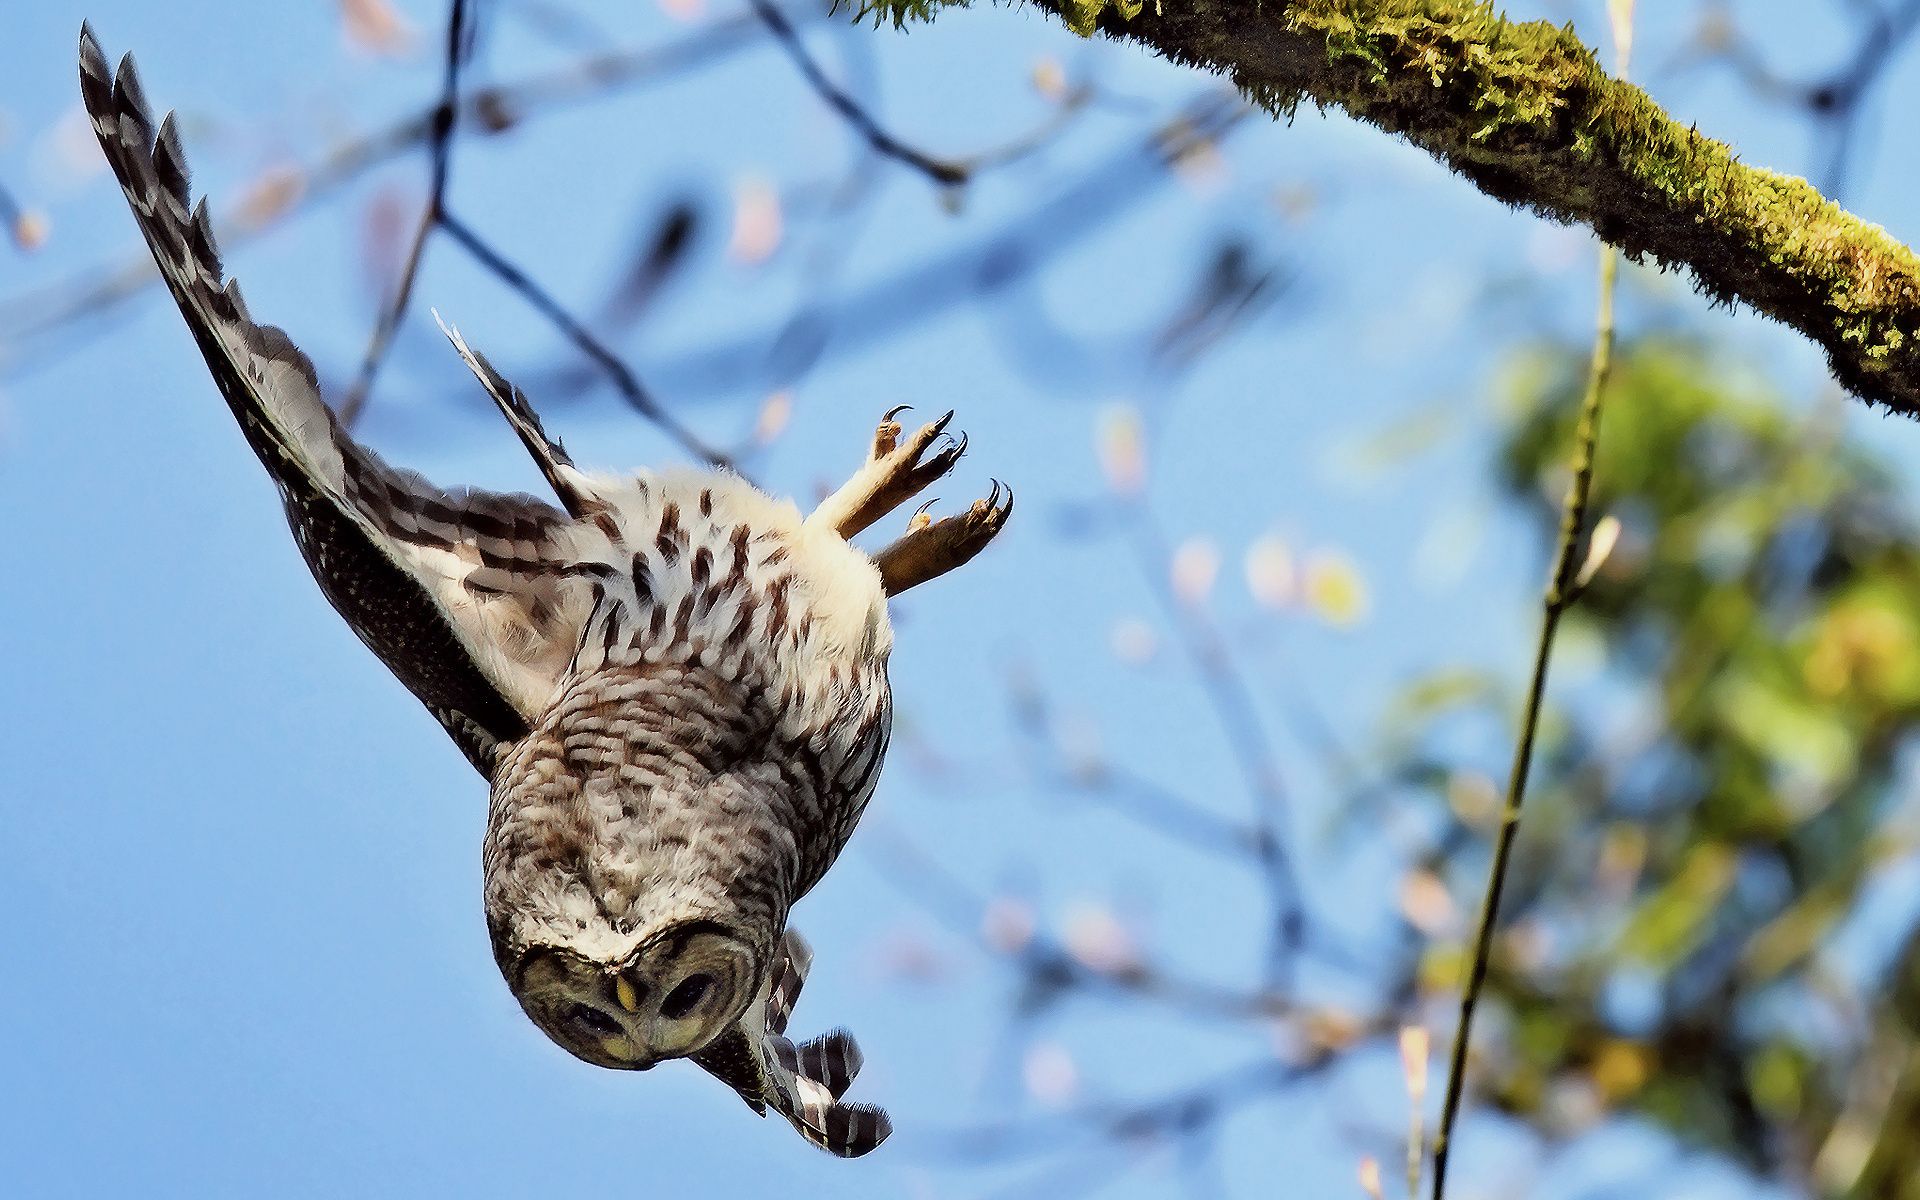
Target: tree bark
(1526, 113)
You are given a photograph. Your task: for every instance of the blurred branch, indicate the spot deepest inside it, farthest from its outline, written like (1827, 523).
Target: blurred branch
(1563, 588)
(1074, 102)
(1836, 98)
(440, 155)
(623, 376)
(1892, 1171)
(862, 122)
(1126, 793)
(25, 229)
(1525, 112)
(1178, 1113)
(1049, 969)
(282, 193)
(1238, 717)
(923, 290)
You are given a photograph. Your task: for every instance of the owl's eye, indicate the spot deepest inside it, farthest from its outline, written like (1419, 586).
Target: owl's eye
(591, 1020)
(682, 999)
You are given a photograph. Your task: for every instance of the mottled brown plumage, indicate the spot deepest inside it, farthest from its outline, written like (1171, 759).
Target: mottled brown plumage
(675, 685)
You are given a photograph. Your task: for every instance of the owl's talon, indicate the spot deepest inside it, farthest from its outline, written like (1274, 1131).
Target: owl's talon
(930, 548)
(921, 518)
(886, 435)
(897, 470)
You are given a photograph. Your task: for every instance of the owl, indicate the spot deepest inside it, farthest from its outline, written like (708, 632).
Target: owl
(674, 684)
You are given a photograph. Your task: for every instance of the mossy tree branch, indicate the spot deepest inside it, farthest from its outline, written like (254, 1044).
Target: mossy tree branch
(1527, 114)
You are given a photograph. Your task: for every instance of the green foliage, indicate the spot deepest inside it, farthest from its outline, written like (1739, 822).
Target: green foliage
(1080, 15)
(1762, 619)
(1507, 74)
(899, 12)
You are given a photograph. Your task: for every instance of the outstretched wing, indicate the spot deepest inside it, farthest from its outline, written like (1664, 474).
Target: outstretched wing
(466, 596)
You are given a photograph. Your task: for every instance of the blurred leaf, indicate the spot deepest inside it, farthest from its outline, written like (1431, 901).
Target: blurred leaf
(1121, 445)
(30, 231)
(1674, 919)
(1620, 16)
(1621, 1068)
(1440, 692)
(757, 223)
(1049, 78)
(1270, 572)
(1335, 590)
(1196, 564)
(661, 253)
(1784, 724)
(1396, 443)
(375, 27)
(1778, 1076)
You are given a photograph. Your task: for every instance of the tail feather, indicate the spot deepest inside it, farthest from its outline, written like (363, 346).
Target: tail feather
(575, 494)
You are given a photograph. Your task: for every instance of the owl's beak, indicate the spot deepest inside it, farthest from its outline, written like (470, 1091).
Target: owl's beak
(624, 1051)
(626, 993)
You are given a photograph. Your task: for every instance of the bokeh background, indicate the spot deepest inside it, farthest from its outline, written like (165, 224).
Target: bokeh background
(1285, 406)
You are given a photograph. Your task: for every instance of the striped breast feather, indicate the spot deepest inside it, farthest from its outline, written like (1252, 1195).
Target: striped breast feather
(466, 596)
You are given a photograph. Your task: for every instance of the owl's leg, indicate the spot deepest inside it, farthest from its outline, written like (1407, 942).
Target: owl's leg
(931, 548)
(895, 472)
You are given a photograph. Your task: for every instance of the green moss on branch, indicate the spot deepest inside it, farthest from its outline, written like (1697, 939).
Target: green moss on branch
(1525, 111)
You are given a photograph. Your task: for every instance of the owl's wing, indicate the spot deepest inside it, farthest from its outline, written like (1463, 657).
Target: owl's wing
(802, 1083)
(806, 1085)
(466, 596)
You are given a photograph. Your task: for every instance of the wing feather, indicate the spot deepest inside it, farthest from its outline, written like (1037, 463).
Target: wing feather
(802, 1083)
(392, 552)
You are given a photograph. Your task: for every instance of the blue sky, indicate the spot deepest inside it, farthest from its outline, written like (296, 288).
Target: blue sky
(240, 865)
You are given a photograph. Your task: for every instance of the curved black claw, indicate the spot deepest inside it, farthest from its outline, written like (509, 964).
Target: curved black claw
(897, 469)
(932, 550)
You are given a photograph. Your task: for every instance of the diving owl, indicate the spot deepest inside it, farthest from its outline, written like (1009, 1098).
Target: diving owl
(675, 685)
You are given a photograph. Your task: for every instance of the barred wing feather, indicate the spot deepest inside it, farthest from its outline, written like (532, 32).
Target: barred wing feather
(466, 596)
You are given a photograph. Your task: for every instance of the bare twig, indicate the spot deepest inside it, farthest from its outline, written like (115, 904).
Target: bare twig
(1238, 716)
(91, 293)
(1176, 1112)
(1836, 98)
(440, 154)
(623, 376)
(1047, 968)
(1561, 592)
(1128, 793)
(939, 170)
(13, 218)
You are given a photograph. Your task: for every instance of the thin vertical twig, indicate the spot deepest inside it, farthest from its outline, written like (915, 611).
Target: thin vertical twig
(440, 155)
(1569, 576)
(1562, 589)
(1415, 1049)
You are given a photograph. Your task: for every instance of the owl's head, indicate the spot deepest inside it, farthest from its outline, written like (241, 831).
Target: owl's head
(664, 996)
